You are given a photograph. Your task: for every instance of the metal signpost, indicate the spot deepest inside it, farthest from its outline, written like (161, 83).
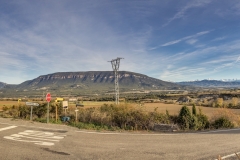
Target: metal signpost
(31, 104)
(76, 114)
(57, 100)
(76, 110)
(48, 99)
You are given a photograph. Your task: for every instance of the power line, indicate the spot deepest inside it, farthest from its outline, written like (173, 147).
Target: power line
(115, 66)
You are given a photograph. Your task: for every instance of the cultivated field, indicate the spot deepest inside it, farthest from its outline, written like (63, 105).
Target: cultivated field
(174, 109)
(9, 103)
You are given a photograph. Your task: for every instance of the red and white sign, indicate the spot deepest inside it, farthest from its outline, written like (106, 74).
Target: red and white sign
(48, 97)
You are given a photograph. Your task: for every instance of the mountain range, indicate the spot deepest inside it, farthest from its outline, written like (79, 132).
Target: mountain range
(98, 82)
(2, 85)
(212, 83)
(78, 83)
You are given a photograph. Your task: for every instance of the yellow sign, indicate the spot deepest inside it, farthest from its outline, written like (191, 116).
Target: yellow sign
(58, 99)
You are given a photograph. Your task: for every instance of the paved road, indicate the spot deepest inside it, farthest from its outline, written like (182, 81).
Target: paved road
(26, 140)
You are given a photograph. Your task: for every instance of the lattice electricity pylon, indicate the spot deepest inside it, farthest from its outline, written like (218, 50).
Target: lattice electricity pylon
(115, 67)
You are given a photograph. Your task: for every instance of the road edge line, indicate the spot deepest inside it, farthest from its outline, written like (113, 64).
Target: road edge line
(6, 128)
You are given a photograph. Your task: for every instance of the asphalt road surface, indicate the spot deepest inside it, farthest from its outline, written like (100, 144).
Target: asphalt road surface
(31, 140)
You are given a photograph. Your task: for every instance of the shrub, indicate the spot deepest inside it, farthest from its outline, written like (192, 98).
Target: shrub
(5, 108)
(123, 116)
(228, 114)
(41, 110)
(222, 122)
(24, 111)
(185, 118)
(203, 122)
(194, 111)
(194, 121)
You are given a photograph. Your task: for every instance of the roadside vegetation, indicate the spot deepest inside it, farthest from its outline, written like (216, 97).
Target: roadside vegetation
(125, 117)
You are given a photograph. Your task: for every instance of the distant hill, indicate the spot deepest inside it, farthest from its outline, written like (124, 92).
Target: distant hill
(2, 84)
(89, 82)
(212, 83)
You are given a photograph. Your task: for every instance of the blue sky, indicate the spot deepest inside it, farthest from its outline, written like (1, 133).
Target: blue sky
(165, 39)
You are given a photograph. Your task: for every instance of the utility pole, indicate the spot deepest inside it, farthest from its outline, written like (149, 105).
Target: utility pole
(115, 66)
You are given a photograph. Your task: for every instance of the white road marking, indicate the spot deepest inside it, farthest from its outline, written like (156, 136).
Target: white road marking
(219, 131)
(159, 134)
(35, 127)
(230, 155)
(36, 137)
(40, 134)
(6, 128)
(134, 134)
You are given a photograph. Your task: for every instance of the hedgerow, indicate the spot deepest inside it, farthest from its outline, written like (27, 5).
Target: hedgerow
(124, 117)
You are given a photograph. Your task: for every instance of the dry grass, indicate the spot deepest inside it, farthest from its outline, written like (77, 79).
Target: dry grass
(229, 114)
(89, 104)
(9, 103)
(173, 109)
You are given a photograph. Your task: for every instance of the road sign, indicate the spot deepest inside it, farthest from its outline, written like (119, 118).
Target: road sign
(32, 104)
(76, 110)
(48, 97)
(65, 104)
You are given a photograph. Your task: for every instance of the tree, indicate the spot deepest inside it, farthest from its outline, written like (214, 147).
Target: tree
(234, 101)
(194, 111)
(219, 102)
(185, 118)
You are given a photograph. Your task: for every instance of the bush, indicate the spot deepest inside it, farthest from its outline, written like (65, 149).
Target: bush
(194, 121)
(222, 122)
(123, 116)
(228, 114)
(203, 122)
(41, 110)
(194, 111)
(24, 111)
(185, 118)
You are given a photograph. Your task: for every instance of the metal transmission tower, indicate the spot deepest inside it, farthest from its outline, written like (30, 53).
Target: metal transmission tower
(115, 67)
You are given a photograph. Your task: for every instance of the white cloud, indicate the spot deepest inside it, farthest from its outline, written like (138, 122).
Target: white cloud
(191, 41)
(171, 43)
(176, 74)
(183, 39)
(40, 39)
(181, 13)
(219, 39)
